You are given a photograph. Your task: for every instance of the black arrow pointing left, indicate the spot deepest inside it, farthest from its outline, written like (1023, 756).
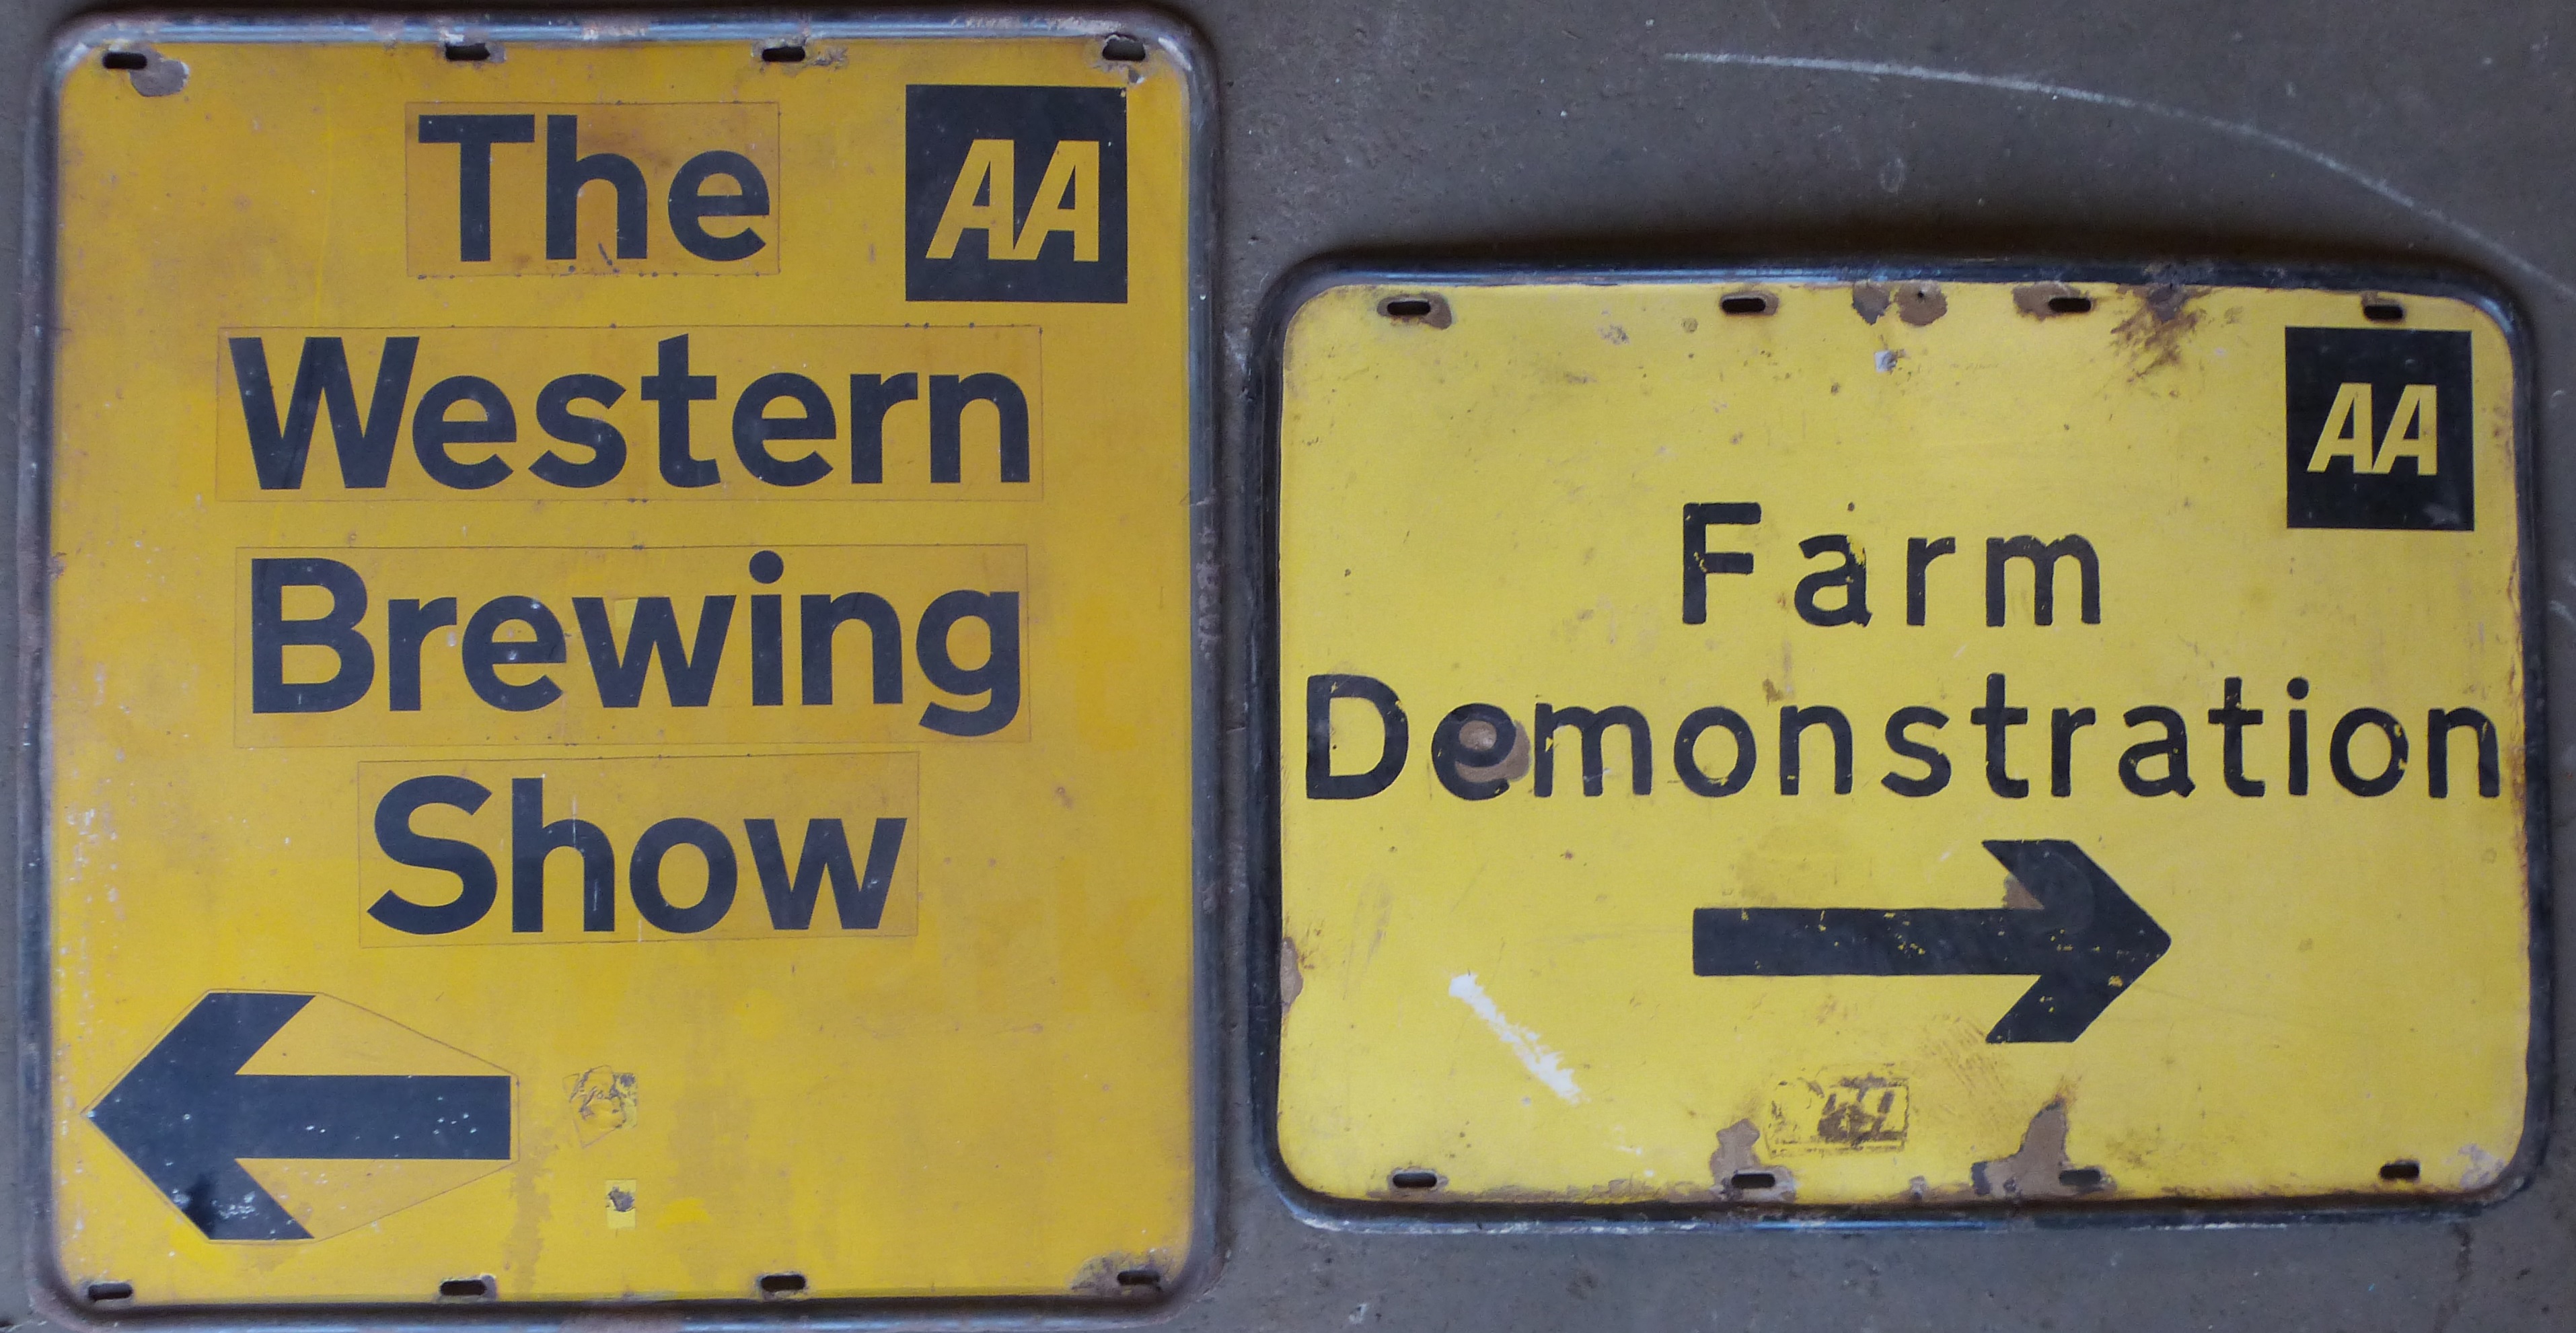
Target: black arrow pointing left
(187, 1116)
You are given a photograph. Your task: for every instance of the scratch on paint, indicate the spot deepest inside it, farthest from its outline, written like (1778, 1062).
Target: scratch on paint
(1544, 1065)
(2240, 130)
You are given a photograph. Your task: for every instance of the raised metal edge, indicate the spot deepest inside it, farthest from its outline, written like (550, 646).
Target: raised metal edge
(1171, 39)
(1261, 942)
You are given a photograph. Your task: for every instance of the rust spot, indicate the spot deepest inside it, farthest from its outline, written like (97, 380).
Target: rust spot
(1741, 1174)
(1292, 975)
(1869, 300)
(2040, 1170)
(1429, 308)
(2155, 331)
(1920, 303)
(1125, 1274)
(1479, 735)
(2045, 300)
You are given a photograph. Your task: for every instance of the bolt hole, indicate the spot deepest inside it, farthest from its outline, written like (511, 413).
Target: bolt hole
(1753, 1180)
(2069, 305)
(1406, 307)
(469, 51)
(466, 1288)
(1746, 303)
(1122, 48)
(781, 1284)
(1413, 1179)
(2401, 1169)
(124, 60)
(2383, 312)
(2081, 1178)
(112, 1291)
(782, 55)
(1139, 1277)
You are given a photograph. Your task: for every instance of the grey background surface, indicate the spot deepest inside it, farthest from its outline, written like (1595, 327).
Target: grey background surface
(1569, 128)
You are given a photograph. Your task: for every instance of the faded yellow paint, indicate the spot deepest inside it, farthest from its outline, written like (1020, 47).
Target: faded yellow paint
(1501, 993)
(986, 1091)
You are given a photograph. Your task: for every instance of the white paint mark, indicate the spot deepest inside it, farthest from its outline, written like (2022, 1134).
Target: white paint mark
(1886, 361)
(2233, 129)
(1543, 1064)
(2485, 1168)
(2559, 609)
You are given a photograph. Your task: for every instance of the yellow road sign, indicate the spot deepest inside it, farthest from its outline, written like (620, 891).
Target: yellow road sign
(619, 713)
(1884, 745)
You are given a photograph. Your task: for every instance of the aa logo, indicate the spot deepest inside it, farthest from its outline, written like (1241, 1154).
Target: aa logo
(2380, 429)
(1015, 194)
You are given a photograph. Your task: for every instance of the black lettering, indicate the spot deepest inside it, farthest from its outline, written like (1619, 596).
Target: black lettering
(673, 389)
(1686, 751)
(2233, 717)
(1698, 562)
(2339, 753)
(821, 616)
(532, 840)
(2043, 558)
(1919, 555)
(1936, 765)
(2174, 749)
(1591, 725)
(1450, 752)
(860, 902)
(567, 171)
(1995, 718)
(949, 395)
(556, 418)
(481, 652)
(476, 884)
(687, 678)
(432, 432)
(753, 429)
(871, 397)
(690, 202)
(999, 676)
(2298, 738)
(474, 137)
(1794, 722)
(644, 875)
(365, 445)
(2062, 726)
(1322, 783)
(407, 624)
(2438, 725)
(271, 634)
(1851, 576)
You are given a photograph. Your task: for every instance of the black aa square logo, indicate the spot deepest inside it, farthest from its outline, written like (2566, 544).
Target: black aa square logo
(1015, 194)
(2380, 432)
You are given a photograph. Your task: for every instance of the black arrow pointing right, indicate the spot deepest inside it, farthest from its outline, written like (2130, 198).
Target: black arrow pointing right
(2087, 941)
(187, 1116)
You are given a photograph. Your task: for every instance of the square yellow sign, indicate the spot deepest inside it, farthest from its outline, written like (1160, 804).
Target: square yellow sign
(619, 704)
(1845, 744)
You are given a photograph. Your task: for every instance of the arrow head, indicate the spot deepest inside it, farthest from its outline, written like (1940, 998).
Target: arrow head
(2089, 941)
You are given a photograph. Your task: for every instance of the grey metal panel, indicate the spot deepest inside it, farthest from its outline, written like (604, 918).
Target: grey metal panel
(2129, 129)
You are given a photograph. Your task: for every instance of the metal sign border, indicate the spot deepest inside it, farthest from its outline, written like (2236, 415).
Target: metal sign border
(1261, 940)
(53, 1297)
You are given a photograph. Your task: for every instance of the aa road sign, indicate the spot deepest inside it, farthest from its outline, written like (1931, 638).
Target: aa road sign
(619, 717)
(1822, 742)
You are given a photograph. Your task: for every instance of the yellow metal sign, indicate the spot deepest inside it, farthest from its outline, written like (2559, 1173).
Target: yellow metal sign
(619, 712)
(1900, 744)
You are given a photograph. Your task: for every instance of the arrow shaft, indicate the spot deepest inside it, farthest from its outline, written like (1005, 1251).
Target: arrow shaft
(1794, 942)
(424, 1117)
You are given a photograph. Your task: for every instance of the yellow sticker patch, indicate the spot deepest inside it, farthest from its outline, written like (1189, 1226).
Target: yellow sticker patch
(1830, 743)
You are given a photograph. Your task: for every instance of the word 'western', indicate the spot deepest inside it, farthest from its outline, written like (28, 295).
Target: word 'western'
(455, 420)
